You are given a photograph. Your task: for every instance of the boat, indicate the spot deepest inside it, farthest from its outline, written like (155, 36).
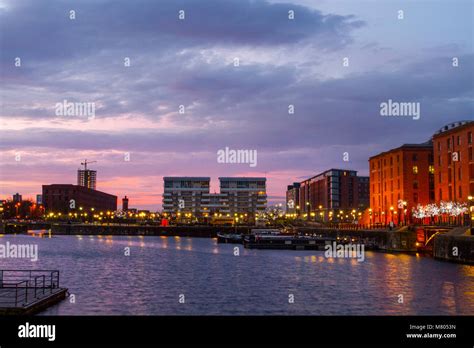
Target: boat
(229, 238)
(266, 231)
(282, 241)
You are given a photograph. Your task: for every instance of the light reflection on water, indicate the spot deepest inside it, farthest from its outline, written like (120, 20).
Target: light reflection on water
(214, 281)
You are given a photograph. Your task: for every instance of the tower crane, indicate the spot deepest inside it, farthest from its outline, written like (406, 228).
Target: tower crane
(85, 163)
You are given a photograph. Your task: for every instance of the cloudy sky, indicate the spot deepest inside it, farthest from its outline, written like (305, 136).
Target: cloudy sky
(192, 62)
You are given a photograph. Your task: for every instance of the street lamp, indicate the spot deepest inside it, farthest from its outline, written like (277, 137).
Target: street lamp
(471, 210)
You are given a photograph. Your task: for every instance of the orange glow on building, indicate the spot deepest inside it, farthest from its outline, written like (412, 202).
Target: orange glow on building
(400, 179)
(453, 162)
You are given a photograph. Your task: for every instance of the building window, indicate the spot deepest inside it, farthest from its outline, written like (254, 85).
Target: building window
(415, 185)
(440, 194)
(460, 192)
(439, 176)
(470, 154)
(439, 145)
(449, 143)
(415, 169)
(469, 138)
(415, 157)
(459, 140)
(415, 198)
(431, 169)
(439, 160)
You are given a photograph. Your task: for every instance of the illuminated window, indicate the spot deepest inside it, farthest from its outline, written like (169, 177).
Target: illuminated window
(431, 169)
(415, 169)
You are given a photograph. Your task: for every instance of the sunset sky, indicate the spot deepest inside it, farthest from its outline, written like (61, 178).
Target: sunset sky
(190, 62)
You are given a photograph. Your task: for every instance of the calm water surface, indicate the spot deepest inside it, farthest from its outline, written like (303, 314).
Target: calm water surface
(258, 282)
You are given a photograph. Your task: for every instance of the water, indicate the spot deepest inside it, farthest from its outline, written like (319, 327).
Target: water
(258, 282)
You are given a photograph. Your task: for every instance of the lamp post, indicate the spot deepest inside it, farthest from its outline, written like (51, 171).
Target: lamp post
(471, 210)
(405, 212)
(308, 204)
(391, 214)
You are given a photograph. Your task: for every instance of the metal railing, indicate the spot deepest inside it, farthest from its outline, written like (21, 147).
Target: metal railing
(20, 287)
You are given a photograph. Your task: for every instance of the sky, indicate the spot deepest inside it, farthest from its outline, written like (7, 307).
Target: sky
(234, 67)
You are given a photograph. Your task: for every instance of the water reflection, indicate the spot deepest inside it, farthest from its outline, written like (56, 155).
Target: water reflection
(256, 282)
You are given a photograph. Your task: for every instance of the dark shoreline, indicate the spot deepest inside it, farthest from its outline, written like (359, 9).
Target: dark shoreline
(403, 241)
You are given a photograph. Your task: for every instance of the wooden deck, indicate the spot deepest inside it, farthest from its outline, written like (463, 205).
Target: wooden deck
(11, 305)
(29, 291)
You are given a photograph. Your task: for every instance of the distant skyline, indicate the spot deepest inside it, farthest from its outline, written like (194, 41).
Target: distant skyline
(191, 62)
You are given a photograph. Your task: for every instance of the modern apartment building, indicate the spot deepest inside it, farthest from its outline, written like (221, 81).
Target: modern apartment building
(244, 195)
(185, 195)
(454, 162)
(237, 196)
(400, 179)
(215, 203)
(333, 191)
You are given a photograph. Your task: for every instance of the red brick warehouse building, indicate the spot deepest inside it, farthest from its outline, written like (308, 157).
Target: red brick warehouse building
(454, 163)
(57, 198)
(400, 179)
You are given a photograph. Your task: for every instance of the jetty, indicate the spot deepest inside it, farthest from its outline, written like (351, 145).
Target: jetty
(24, 292)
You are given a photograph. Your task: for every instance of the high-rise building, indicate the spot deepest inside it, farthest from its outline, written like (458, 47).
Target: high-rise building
(293, 198)
(191, 195)
(244, 195)
(125, 203)
(333, 191)
(17, 198)
(66, 198)
(401, 179)
(454, 162)
(87, 178)
(185, 195)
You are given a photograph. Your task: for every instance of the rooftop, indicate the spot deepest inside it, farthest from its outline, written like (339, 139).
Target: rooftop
(426, 146)
(452, 126)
